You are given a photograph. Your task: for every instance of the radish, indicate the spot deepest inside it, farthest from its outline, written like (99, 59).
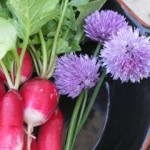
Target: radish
(11, 122)
(2, 75)
(50, 133)
(40, 99)
(27, 66)
(2, 91)
(33, 144)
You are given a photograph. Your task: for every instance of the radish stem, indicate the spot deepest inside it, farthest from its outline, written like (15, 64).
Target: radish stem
(10, 84)
(24, 47)
(17, 82)
(54, 46)
(52, 69)
(44, 52)
(25, 43)
(35, 62)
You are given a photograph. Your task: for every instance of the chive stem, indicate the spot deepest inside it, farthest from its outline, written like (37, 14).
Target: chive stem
(91, 101)
(83, 106)
(73, 122)
(97, 50)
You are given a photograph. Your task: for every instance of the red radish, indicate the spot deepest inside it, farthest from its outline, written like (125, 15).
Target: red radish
(33, 144)
(2, 75)
(2, 91)
(27, 66)
(11, 122)
(40, 99)
(50, 133)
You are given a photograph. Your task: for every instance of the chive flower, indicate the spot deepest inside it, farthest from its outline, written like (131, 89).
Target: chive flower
(127, 55)
(74, 73)
(99, 26)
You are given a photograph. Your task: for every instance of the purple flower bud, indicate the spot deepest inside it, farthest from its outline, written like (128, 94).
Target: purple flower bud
(73, 74)
(99, 26)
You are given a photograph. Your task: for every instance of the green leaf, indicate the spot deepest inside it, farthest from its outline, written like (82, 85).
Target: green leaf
(62, 46)
(8, 36)
(3, 3)
(78, 2)
(31, 15)
(75, 45)
(9, 60)
(49, 28)
(34, 40)
(38, 54)
(70, 20)
(4, 13)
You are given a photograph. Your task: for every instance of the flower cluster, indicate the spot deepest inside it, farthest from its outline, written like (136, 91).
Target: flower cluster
(74, 73)
(99, 26)
(127, 55)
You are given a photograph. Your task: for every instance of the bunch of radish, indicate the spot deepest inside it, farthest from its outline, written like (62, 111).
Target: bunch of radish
(33, 104)
(28, 96)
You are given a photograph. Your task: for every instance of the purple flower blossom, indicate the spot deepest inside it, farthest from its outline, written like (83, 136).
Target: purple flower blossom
(99, 26)
(73, 74)
(127, 55)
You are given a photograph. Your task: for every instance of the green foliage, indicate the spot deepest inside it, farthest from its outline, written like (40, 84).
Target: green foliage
(8, 37)
(9, 60)
(46, 27)
(3, 3)
(4, 13)
(31, 15)
(62, 46)
(78, 3)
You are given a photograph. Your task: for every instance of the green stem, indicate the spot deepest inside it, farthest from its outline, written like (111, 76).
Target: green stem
(35, 62)
(91, 101)
(12, 72)
(44, 52)
(10, 84)
(97, 50)
(83, 107)
(54, 46)
(80, 116)
(25, 43)
(17, 82)
(52, 69)
(24, 48)
(73, 122)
